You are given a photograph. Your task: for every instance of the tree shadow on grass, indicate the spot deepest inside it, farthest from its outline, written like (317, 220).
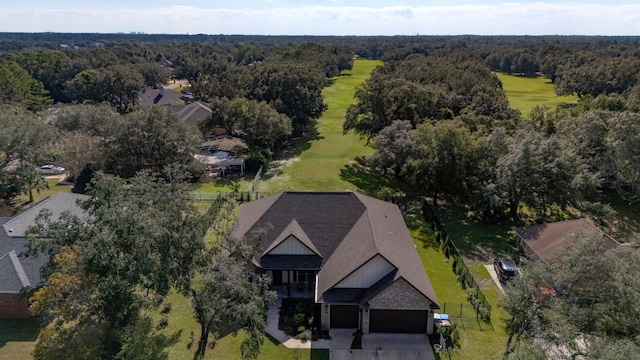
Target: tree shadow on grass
(19, 330)
(366, 181)
(478, 241)
(417, 225)
(297, 146)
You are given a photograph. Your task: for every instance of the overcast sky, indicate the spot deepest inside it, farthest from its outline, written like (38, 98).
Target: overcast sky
(325, 17)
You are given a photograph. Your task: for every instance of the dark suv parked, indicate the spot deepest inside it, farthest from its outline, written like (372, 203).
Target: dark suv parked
(505, 268)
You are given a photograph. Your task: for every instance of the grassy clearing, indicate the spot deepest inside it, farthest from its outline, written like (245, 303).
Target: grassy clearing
(22, 203)
(525, 93)
(322, 160)
(479, 243)
(479, 340)
(17, 338)
(227, 348)
(626, 226)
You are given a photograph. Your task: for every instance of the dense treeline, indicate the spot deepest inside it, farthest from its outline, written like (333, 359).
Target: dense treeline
(435, 113)
(421, 88)
(278, 85)
(441, 122)
(268, 90)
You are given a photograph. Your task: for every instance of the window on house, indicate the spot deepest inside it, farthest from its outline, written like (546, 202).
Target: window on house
(304, 276)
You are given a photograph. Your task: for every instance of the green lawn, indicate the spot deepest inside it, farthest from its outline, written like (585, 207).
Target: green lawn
(321, 165)
(479, 339)
(525, 93)
(21, 202)
(227, 348)
(17, 338)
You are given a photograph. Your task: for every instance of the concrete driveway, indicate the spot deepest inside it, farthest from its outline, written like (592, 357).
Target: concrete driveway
(494, 276)
(378, 346)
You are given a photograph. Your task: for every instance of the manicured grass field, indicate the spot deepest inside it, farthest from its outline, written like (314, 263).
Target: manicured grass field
(525, 93)
(319, 167)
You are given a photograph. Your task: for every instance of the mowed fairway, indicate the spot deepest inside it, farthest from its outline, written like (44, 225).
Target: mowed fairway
(525, 93)
(318, 168)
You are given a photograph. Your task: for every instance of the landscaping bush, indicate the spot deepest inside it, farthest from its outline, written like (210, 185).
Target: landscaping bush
(297, 317)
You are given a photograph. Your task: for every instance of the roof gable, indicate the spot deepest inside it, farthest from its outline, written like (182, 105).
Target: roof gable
(292, 241)
(347, 229)
(367, 274)
(356, 249)
(400, 295)
(193, 112)
(325, 218)
(150, 97)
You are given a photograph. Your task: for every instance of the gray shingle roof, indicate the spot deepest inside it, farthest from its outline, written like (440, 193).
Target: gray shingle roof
(348, 229)
(17, 271)
(545, 241)
(57, 204)
(150, 97)
(192, 112)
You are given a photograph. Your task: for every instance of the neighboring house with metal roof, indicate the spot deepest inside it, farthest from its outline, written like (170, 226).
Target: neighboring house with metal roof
(16, 271)
(351, 252)
(545, 242)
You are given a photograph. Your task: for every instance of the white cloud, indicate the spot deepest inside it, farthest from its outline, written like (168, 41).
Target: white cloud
(512, 18)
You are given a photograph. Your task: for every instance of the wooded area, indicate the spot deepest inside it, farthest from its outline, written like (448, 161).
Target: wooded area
(435, 112)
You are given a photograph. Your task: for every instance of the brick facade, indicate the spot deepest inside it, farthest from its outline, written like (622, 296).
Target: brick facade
(13, 308)
(400, 296)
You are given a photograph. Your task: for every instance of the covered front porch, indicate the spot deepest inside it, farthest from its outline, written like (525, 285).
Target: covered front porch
(293, 283)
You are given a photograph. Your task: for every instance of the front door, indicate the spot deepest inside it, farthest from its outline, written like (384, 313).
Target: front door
(277, 277)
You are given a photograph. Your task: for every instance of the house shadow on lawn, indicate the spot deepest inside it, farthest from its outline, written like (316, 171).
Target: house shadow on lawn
(18, 330)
